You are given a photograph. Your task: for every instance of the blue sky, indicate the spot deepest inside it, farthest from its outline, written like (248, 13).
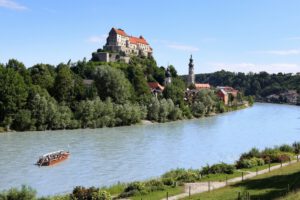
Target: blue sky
(235, 35)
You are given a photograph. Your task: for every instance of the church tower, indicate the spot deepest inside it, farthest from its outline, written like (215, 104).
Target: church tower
(191, 76)
(168, 79)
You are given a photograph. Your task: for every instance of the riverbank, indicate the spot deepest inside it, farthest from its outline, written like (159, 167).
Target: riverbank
(148, 122)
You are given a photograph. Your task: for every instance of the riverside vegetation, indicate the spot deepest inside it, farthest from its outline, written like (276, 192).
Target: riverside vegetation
(45, 97)
(260, 85)
(171, 181)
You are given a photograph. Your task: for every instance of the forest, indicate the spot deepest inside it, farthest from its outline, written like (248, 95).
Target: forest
(47, 97)
(259, 84)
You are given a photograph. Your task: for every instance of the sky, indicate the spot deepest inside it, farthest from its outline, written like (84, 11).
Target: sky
(234, 35)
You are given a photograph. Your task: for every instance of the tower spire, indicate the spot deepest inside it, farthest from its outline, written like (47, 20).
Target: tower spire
(191, 76)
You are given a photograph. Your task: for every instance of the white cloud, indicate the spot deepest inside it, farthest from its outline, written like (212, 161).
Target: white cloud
(183, 47)
(12, 5)
(97, 39)
(281, 52)
(255, 67)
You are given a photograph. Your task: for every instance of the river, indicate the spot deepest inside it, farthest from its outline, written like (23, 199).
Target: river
(105, 156)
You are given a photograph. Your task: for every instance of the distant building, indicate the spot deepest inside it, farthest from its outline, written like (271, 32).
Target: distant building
(225, 92)
(191, 76)
(156, 88)
(120, 46)
(202, 86)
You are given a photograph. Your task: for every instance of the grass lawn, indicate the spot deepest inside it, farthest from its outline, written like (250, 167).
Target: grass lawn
(266, 186)
(159, 194)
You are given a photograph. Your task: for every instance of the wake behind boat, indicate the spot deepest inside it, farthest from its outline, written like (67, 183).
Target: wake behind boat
(53, 158)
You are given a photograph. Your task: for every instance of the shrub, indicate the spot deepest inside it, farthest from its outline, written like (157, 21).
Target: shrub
(221, 168)
(286, 148)
(254, 152)
(248, 163)
(101, 195)
(82, 193)
(296, 146)
(133, 189)
(182, 175)
(25, 193)
(168, 181)
(154, 185)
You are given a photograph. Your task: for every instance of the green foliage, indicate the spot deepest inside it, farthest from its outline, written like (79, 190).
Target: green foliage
(64, 84)
(221, 168)
(181, 175)
(174, 92)
(112, 83)
(133, 189)
(13, 92)
(25, 193)
(23, 120)
(92, 193)
(286, 148)
(249, 163)
(259, 84)
(43, 75)
(137, 78)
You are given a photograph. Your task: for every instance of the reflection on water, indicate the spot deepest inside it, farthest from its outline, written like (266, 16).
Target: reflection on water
(105, 156)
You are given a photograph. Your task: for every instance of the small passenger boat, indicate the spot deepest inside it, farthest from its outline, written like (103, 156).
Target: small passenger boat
(53, 158)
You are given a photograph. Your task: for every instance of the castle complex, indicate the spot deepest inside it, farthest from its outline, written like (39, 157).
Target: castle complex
(120, 46)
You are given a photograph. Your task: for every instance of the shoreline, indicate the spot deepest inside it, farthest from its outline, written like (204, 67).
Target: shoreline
(145, 121)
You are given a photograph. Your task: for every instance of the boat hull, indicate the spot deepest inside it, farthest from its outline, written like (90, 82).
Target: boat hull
(54, 161)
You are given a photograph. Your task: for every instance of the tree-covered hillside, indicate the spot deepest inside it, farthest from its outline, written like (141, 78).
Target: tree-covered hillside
(93, 94)
(260, 84)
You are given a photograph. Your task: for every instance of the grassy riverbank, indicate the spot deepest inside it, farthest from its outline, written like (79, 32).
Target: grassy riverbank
(275, 184)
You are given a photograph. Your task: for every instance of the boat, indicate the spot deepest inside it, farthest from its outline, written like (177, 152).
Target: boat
(53, 158)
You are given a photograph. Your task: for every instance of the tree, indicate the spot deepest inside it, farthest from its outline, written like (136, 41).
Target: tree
(138, 81)
(64, 84)
(42, 75)
(198, 109)
(23, 120)
(13, 92)
(112, 83)
(175, 93)
(20, 68)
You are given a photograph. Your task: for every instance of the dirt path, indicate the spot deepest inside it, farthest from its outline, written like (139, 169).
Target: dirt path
(199, 187)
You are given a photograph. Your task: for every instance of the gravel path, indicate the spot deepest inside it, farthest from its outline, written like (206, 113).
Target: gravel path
(199, 187)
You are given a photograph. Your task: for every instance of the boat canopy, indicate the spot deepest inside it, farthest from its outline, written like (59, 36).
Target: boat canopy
(53, 153)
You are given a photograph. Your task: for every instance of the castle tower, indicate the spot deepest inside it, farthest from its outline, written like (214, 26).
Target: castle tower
(168, 79)
(191, 76)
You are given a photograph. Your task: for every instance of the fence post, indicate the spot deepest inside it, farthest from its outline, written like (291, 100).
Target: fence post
(189, 191)
(226, 181)
(269, 166)
(242, 176)
(288, 188)
(256, 171)
(167, 195)
(209, 186)
(297, 158)
(280, 163)
(239, 196)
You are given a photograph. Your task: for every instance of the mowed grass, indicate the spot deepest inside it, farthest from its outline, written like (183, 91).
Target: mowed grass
(266, 186)
(160, 194)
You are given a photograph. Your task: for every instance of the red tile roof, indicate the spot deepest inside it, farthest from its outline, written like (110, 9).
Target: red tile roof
(155, 85)
(202, 86)
(120, 32)
(136, 40)
(132, 39)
